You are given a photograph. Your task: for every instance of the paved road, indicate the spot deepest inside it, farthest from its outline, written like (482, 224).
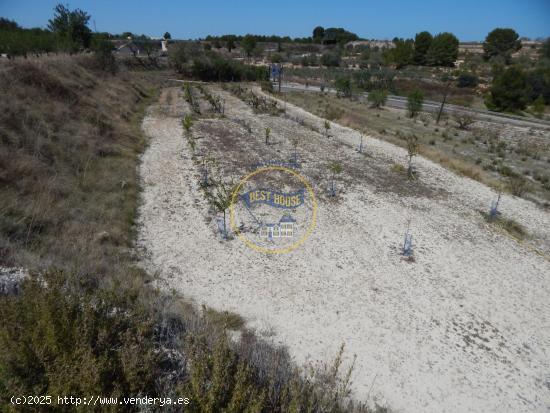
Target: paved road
(400, 102)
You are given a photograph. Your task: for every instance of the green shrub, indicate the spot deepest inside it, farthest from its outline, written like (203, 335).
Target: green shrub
(330, 59)
(56, 325)
(187, 123)
(377, 98)
(509, 225)
(415, 100)
(103, 52)
(466, 79)
(518, 185)
(216, 68)
(267, 86)
(343, 86)
(538, 106)
(276, 58)
(509, 91)
(398, 168)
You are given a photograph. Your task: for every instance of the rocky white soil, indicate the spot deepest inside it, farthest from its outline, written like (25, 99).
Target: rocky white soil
(465, 328)
(11, 279)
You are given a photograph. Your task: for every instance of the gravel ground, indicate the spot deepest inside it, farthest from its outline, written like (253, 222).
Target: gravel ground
(11, 279)
(464, 328)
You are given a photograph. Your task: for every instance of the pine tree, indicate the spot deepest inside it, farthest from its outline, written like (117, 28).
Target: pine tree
(443, 50)
(422, 42)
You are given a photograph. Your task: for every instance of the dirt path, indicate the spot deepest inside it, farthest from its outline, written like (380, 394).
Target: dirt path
(466, 328)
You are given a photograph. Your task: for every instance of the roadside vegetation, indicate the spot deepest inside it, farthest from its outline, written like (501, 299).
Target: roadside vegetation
(517, 158)
(501, 75)
(193, 60)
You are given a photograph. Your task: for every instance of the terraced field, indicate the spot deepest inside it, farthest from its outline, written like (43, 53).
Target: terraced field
(464, 327)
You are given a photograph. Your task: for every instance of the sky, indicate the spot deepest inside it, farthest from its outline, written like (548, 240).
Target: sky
(469, 20)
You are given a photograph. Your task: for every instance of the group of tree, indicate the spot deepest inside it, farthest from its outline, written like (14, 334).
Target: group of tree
(380, 78)
(501, 43)
(238, 38)
(442, 49)
(248, 44)
(332, 35)
(424, 50)
(331, 58)
(16, 41)
(328, 36)
(71, 24)
(513, 89)
(127, 35)
(67, 31)
(415, 101)
(516, 86)
(190, 59)
(377, 81)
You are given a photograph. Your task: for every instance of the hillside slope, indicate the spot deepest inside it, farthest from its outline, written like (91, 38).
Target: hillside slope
(68, 145)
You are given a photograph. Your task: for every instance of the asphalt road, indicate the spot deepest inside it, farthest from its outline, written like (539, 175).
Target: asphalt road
(400, 102)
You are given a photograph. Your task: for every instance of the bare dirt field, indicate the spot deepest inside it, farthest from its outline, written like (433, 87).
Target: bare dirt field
(464, 328)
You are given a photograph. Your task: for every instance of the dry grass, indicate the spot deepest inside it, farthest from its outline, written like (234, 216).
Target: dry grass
(481, 152)
(67, 160)
(512, 227)
(224, 319)
(398, 168)
(435, 91)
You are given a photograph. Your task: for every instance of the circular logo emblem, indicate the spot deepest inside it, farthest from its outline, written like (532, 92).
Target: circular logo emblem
(273, 210)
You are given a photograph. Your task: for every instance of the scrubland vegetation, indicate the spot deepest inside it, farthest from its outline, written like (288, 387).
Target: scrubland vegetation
(436, 66)
(513, 158)
(191, 61)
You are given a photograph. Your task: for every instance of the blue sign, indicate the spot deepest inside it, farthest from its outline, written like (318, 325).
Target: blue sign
(273, 198)
(276, 71)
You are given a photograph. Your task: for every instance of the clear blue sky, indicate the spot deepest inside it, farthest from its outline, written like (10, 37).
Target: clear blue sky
(468, 19)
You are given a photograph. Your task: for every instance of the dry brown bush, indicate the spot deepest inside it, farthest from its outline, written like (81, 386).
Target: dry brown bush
(464, 120)
(67, 153)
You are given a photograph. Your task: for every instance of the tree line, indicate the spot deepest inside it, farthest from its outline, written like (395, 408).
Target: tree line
(330, 35)
(67, 31)
(516, 85)
(193, 60)
(424, 50)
